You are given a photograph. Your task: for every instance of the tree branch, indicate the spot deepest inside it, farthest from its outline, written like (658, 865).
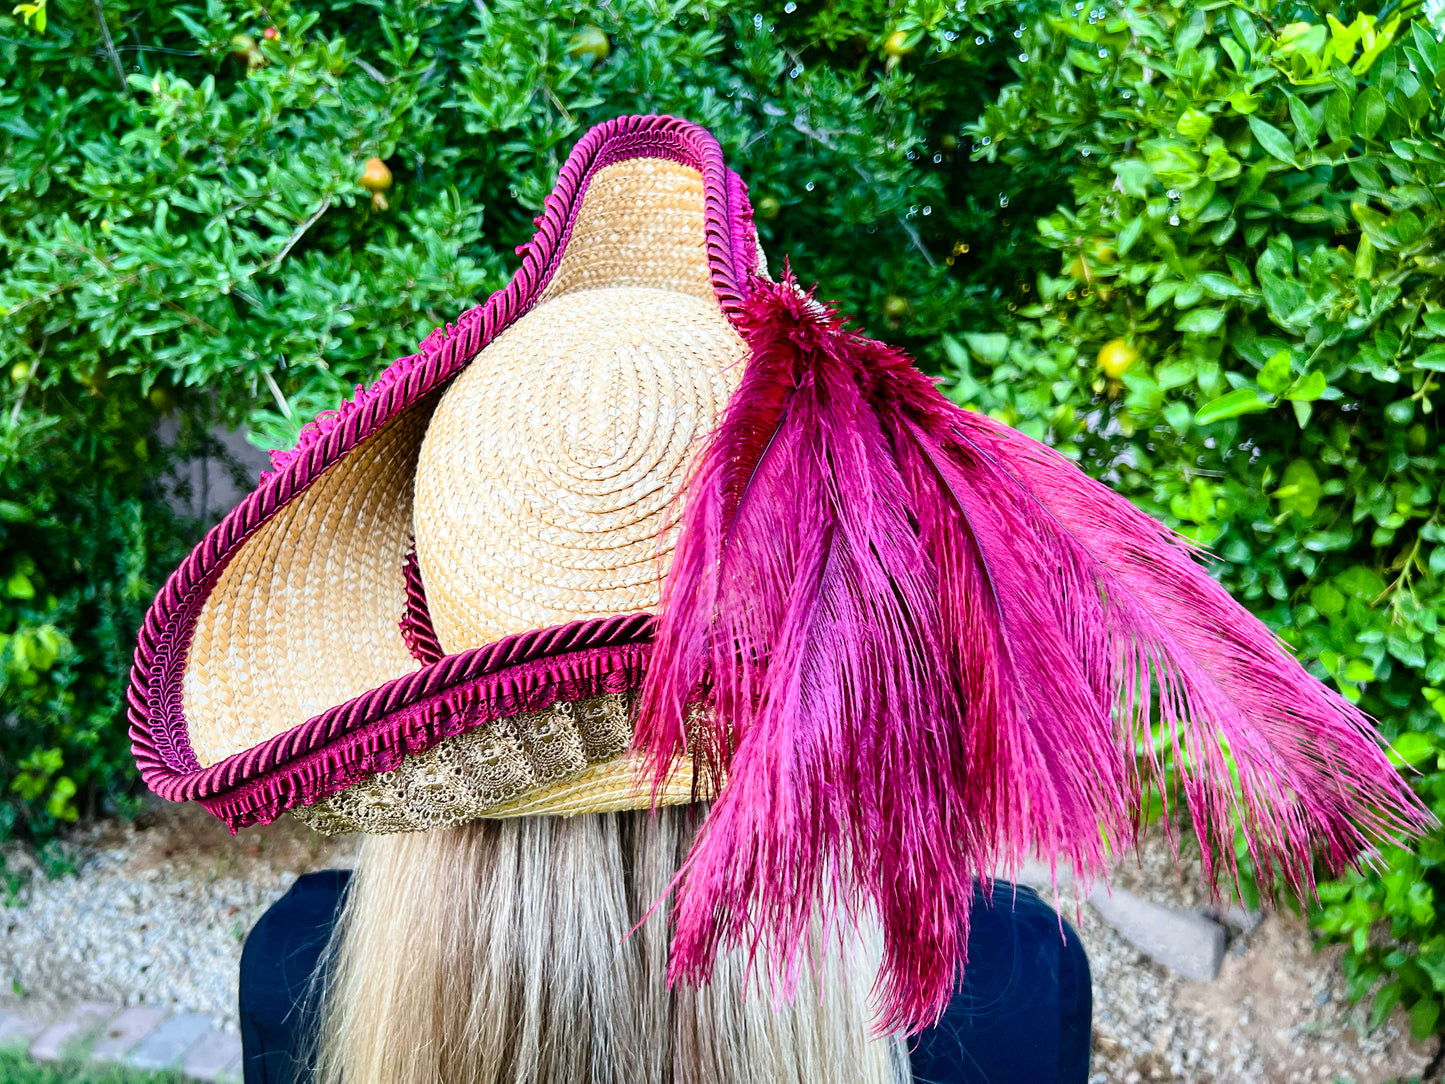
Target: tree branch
(110, 46)
(300, 232)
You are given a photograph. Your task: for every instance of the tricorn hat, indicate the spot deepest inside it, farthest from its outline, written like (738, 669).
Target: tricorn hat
(649, 526)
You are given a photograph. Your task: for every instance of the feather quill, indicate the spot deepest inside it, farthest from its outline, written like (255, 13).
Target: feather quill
(928, 647)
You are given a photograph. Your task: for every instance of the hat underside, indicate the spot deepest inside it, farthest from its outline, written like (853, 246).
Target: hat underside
(552, 462)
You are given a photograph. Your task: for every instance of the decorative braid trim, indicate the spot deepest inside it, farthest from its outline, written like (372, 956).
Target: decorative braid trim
(373, 732)
(157, 722)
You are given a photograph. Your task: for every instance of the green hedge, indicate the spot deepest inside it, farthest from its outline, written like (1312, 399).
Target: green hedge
(1233, 206)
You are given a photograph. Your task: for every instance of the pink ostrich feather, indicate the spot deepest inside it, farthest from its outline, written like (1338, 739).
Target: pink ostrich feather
(930, 647)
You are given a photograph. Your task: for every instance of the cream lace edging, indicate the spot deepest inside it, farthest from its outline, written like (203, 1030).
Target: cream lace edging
(472, 774)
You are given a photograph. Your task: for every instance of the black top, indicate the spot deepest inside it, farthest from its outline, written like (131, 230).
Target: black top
(1022, 1015)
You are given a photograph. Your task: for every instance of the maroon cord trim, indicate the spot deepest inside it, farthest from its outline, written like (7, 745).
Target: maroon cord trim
(372, 732)
(157, 723)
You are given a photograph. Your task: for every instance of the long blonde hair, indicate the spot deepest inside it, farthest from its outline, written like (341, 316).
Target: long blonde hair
(496, 953)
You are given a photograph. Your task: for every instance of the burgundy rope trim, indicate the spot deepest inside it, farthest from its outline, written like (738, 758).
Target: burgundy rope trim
(380, 745)
(409, 714)
(415, 624)
(157, 722)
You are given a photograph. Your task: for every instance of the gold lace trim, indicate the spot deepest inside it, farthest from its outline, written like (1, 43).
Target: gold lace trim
(471, 774)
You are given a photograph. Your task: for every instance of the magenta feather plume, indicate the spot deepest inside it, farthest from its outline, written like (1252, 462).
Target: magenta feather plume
(927, 647)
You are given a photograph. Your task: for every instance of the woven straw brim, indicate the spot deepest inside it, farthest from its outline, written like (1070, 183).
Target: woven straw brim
(538, 489)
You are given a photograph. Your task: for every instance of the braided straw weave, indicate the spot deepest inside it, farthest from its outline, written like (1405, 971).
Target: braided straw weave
(539, 488)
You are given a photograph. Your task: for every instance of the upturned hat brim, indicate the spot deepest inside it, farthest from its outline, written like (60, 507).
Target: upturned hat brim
(394, 692)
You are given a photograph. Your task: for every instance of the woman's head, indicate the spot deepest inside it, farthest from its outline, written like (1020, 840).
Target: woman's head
(499, 951)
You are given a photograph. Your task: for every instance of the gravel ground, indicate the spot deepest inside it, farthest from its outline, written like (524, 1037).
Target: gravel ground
(1277, 1013)
(157, 911)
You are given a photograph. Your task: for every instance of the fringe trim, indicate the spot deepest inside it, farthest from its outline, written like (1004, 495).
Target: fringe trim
(407, 716)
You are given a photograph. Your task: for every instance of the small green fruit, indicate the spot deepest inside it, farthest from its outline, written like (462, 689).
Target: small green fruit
(769, 208)
(1116, 358)
(589, 43)
(898, 46)
(376, 179)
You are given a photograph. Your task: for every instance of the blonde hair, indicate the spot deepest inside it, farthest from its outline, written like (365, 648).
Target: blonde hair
(497, 953)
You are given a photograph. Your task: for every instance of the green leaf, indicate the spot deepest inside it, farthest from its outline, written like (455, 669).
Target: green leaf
(1410, 747)
(1304, 120)
(1283, 297)
(1231, 405)
(1272, 139)
(1159, 293)
(1338, 115)
(1364, 259)
(1236, 53)
(1190, 32)
(1243, 102)
(1369, 114)
(1203, 321)
(1308, 388)
(1178, 415)
(1129, 234)
(1409, 653)
(1134, 175)
(1277, 374)
(1386, 998)
(1358, 669)
(1299, 492)
(1423, 1016)
(1432, 359)
(990, 348)
(1361, 583)
(58, 805)
(1194, 124)
(1221, 165)
(18, 586)
(1243, 27)
(1219, 286)
(1175, 374)
(1328, 541)
(1327, 599)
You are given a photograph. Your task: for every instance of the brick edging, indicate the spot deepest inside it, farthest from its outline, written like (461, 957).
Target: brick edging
(140, 1037)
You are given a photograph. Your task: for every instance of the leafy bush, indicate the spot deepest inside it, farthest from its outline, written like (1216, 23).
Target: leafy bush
(1195, 245)
(1256, 211)
(193, 244)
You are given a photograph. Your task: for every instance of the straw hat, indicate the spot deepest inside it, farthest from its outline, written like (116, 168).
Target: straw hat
(648, 526)
(435, 607)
